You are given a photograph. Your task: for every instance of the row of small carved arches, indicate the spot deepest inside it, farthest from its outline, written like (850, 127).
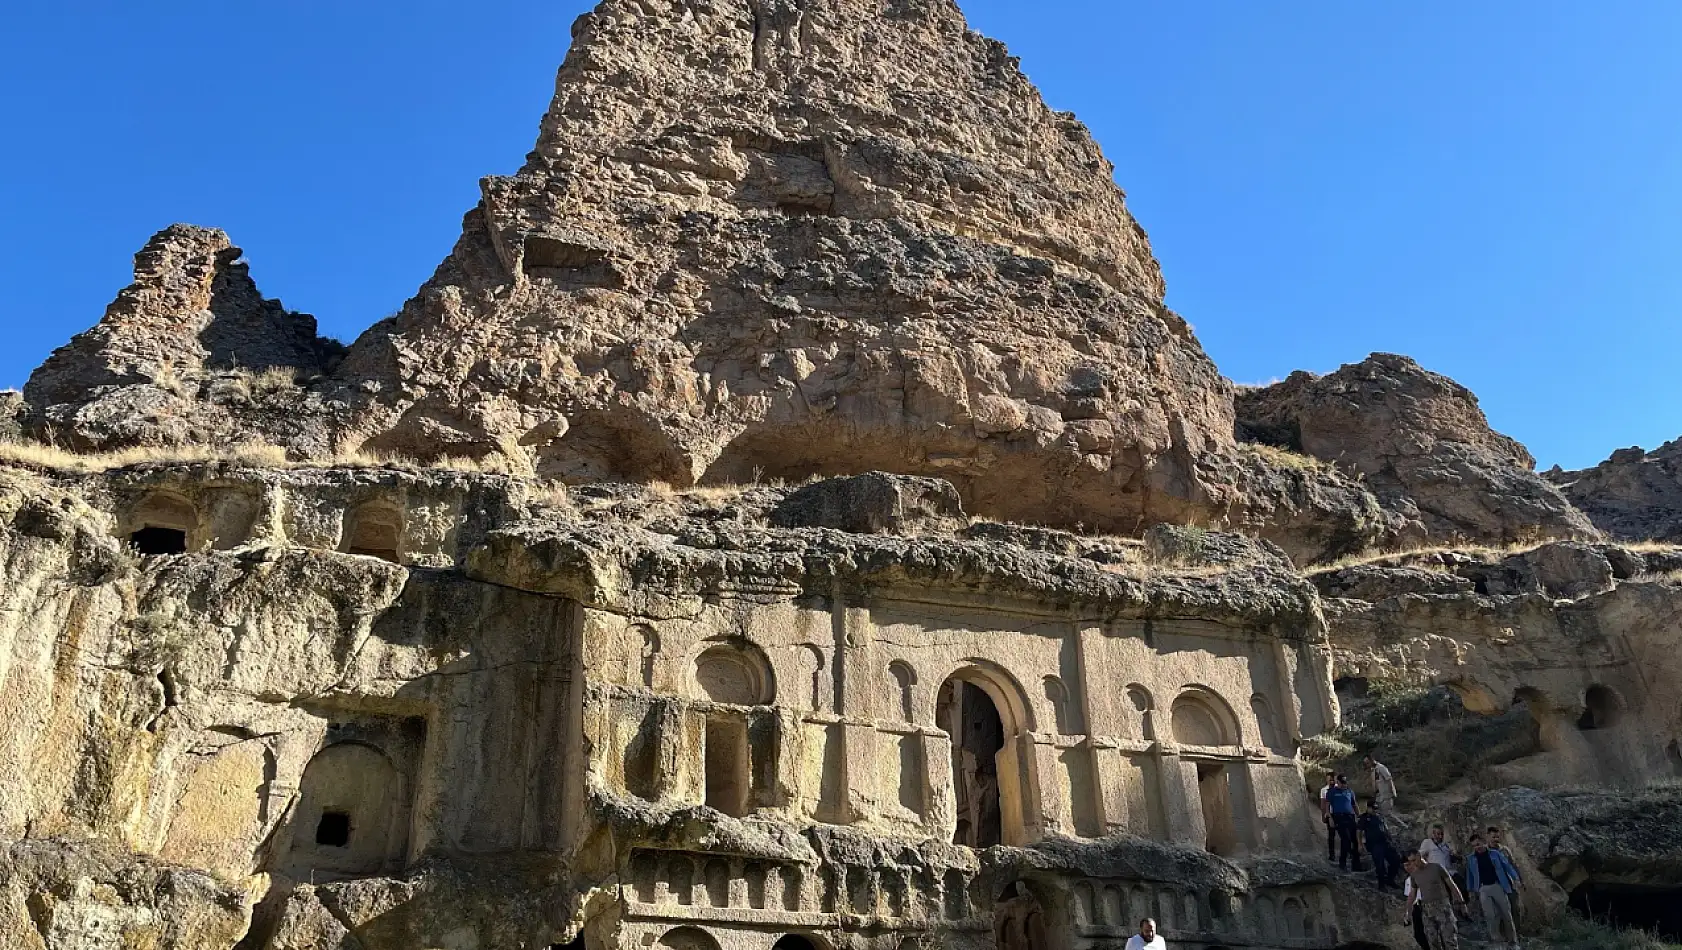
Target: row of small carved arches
(886, 893)
(1117, 907)
(690, 937)
(766, 885)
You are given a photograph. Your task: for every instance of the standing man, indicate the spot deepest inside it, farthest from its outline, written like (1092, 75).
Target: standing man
(1435, 850)
(1326, 816)
(1383, 785)
(1386, 863)
(1491, 876)
(1147, 938)
(1416, 914)
(1340, 800)
(1437, 897)
(1492, 834)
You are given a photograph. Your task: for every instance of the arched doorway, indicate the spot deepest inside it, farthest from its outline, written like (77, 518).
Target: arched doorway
(732, 674)
(1602, 709)
(976, 710)
(795, 942)
(165, 523)
(1199, 719)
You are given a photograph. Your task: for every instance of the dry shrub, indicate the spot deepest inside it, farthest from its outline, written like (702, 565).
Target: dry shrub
(1285, 458)
(169, 379)
(275, 379)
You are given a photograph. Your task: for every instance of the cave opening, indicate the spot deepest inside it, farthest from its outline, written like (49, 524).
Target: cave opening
(333, 831)
(1632, 906)
(153, 541)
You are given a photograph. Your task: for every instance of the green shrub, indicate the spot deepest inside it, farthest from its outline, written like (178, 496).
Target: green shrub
(1571, 931)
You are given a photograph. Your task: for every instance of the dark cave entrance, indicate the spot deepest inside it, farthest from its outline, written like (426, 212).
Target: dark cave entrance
(154, 541)
(1656, 909)
(968, 715)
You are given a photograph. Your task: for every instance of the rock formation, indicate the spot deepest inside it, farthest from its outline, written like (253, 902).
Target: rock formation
(875, 562)
(765, 239)
(1634, 495)
(1420, 442)
(146, 374)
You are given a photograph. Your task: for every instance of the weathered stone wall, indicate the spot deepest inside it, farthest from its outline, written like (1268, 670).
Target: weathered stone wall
(211, 710)
(355, 749)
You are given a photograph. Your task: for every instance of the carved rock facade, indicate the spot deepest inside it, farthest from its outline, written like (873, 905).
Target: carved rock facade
(984, 678)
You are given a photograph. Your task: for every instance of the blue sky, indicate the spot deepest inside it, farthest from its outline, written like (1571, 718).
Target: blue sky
(1493, 188)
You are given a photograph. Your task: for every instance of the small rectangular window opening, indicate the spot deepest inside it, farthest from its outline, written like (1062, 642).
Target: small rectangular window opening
(334, 829)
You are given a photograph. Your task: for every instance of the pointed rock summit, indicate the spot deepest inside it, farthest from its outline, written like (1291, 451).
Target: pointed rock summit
(791, 238)
(787, 238)
(193, 311)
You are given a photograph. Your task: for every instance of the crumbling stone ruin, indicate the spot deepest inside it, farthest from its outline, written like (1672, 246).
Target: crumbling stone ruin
(790, 518)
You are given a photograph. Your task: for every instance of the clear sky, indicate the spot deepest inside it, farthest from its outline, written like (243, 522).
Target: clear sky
(1493, 188)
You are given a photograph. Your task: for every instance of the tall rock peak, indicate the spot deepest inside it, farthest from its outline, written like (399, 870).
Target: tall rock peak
(193, 310)
(798, 238)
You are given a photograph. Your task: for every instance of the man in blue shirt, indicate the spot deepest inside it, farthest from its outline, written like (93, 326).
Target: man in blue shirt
(1492, 877)
(1340, 801)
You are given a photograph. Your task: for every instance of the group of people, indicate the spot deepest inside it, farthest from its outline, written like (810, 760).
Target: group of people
(1435, 897)
(1436, 892)
(1347, 828)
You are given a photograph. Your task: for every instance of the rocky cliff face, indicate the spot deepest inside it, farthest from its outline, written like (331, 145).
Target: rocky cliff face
(147, 373)
(1633, 495)
(765, 239)
(1420, 442)
(863, 578)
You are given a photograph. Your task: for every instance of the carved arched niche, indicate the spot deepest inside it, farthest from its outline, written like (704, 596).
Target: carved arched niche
(736, 674)
(164, 523)
(1200, 718)
(688, 938)
(732, 674)
(352, 815)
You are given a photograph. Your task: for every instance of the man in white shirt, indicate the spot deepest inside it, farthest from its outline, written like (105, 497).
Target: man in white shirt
(1383, 785)
(1435, 850)
(1147, 938)
(1326, 816)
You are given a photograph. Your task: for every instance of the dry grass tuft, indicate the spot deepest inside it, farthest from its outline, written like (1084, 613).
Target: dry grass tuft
(1285, 458)
(1486, 550)
(363, 458)
(35, 455)
(169, 380)
(275, 379)
(51, 458)
(715, 494)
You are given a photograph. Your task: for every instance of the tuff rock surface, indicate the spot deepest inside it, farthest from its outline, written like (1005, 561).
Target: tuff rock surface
(882, 566)
(1420, 442)
(147, 373)
(1634, 495)
(758, 239)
